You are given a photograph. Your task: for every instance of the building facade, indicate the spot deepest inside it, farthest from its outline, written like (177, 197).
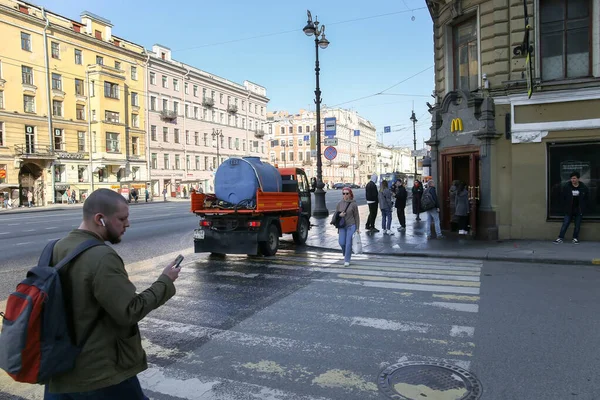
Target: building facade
(72, 114)
(196, 120)
(292, 141)
(517, 110)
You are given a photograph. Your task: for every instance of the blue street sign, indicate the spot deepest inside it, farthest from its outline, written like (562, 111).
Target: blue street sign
(356, 132)
(306, 138)
(330, 126)
(387, 129)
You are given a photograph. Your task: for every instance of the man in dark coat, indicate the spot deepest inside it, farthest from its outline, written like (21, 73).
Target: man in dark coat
(417, 193)
(401, 196)
(574, 200)
(372, 195)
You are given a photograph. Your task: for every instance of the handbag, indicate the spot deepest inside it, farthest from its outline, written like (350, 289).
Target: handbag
(337, 221)
(356, 243)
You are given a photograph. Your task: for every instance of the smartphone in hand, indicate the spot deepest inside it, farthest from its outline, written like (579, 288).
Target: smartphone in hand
(178, 261)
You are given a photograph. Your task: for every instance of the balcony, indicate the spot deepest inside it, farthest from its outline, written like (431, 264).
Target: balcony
(259, 133)
(208, 102)
(232, 109)
(32, 151)
(2, 83)
(168, 116)
(58, 94)
(307, 163)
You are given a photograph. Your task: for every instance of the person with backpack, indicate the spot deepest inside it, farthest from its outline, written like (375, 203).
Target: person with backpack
(430, 204)
(101, 354)
(386, 204)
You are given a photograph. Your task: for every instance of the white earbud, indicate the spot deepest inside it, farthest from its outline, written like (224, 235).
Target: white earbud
(102, 221)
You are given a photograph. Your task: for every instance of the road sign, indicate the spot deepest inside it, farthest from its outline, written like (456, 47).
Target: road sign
(330, 126)
(418, 153)
(387, 129)
(330, 141)
(356, 132)
(330, 153)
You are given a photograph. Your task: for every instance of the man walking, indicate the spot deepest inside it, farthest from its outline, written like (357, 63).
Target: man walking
(574, 200)
(433, 215)
(373, 202)
(29, 198)
(101, 300)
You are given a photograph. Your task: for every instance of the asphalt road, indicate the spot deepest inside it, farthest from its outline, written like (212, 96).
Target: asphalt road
(300, 326)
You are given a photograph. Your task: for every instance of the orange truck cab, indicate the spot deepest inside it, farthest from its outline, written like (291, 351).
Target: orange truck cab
(255, 228)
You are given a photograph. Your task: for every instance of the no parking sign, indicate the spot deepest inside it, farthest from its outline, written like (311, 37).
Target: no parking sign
(330, 153)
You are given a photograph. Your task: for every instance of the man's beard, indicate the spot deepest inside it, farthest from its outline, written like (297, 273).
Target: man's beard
(112, 237)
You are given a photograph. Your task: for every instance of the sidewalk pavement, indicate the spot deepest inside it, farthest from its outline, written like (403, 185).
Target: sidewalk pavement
(413, 243)
(60, 207)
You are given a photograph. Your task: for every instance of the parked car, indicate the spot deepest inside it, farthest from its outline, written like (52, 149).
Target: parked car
(339, 185)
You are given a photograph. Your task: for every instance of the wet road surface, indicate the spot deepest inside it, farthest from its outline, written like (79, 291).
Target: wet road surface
(300, 326)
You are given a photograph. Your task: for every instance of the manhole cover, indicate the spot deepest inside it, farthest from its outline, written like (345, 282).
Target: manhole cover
(429, 381)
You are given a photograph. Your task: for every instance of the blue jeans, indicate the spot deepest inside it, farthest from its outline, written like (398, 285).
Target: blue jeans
(567, 221)
(129, 389)
(345, 240)
(433, 216)
(386, 219)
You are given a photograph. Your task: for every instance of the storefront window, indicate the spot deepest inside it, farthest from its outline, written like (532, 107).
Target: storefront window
(564, 158)
(3, 173)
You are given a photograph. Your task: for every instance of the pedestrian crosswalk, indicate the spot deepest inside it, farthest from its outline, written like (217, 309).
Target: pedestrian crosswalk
(302, 326)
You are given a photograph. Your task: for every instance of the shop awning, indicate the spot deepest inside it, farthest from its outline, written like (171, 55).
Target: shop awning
(9, 185)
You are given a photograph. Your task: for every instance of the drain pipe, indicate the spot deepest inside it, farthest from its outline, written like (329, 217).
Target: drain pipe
(49, 98)
(147, 126)
(185, 155)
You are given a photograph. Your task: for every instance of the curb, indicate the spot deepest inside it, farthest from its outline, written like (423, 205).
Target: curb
(554, 261)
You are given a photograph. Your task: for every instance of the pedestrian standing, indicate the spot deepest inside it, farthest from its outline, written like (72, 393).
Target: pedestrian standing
(184, 192)
(348, 210)
(452, 199)
(385, 204)
(73, 196)
(574, 200)
(433, 215)
(29, 198)
(102, 301)
(417, 193)
(165, 194)
(461, 211)
(401, 196)
(373, 203)
(147, 195)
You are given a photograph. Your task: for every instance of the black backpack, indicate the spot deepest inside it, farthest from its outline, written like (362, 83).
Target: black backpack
(427, 202)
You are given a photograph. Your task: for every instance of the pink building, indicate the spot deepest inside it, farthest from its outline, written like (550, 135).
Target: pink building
(195, 121)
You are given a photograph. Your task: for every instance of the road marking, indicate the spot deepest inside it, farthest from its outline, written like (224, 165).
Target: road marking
(4, 233)
(405, 286)
(23, 243)
(456, 306)
(52, 227)
(29, 230)
(406, 280)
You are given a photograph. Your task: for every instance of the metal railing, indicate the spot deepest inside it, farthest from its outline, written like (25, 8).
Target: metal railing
(25, 149)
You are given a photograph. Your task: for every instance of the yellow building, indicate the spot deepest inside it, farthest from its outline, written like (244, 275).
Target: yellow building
(72, 105)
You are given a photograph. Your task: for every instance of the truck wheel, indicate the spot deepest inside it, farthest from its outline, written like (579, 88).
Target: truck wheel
(269, 248)
(301, 234)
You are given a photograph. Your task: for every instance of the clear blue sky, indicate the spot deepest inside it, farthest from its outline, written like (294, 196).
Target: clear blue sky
(369, 51)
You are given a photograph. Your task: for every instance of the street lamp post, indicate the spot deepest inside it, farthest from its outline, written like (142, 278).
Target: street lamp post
(414, 121)
(312, 28)
(217, 134)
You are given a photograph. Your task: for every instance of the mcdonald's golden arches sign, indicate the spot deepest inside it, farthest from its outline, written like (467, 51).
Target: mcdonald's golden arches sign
(456, 125)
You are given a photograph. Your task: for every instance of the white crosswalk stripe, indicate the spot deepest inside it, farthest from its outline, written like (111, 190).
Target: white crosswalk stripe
(269, 328)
